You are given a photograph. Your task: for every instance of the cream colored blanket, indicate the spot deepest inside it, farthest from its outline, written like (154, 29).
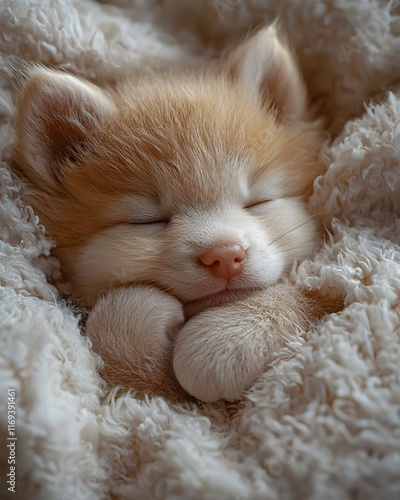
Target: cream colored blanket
(324, 421)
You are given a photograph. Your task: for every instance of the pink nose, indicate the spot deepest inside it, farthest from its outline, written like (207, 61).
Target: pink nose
(224, 261)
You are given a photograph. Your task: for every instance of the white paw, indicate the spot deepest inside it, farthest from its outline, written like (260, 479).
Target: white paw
(219, 353)
(140, 317)
(131, 329)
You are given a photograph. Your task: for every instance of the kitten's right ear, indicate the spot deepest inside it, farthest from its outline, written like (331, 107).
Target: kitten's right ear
(56, 113)
(266, 68)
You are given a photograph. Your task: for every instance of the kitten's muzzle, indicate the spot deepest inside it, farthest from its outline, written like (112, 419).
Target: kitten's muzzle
(224, 261)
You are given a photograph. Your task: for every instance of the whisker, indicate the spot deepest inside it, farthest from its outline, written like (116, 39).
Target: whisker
(293, 249)
(303, 222)
(295, 226)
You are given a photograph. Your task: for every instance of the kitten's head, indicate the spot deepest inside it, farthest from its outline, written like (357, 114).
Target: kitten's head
(192, 181)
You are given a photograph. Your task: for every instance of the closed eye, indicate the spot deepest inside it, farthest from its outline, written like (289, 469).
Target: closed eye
(149, 222)
(257, 203)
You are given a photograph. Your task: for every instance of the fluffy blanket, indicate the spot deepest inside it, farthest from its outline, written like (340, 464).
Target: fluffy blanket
(324, 421)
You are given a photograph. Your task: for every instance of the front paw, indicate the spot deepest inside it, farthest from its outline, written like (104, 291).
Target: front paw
(220, 353)
(217, 355)
(131, 329)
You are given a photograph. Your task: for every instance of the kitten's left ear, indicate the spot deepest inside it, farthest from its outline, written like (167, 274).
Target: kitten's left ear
(57, 114)
(268, 70)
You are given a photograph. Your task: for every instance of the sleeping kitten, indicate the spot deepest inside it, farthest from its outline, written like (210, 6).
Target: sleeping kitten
(186, 189)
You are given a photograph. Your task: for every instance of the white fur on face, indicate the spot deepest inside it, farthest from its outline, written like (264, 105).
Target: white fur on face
(135, 183)
(164, 243)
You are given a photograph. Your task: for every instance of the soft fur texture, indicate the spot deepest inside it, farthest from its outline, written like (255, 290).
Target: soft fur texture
(194, 181)
(323, 422)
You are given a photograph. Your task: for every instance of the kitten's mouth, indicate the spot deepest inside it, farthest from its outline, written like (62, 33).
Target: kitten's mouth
(214, 299)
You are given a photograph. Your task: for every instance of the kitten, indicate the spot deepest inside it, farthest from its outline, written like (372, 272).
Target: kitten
(179, 189)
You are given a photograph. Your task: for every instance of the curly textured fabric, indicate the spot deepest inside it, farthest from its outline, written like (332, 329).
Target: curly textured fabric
(324, 420)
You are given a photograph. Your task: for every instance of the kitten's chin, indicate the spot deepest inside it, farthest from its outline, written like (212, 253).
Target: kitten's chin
(193, 307)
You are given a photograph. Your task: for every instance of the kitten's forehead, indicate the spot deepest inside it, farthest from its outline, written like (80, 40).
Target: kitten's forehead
(234, 185)
(194, 146)
(197, 146)
(202, 185)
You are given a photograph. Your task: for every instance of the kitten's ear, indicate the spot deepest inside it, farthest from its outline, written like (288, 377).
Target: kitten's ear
(267, 68)
(56, 114)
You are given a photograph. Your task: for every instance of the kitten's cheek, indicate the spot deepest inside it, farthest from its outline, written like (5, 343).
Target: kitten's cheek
(267, 266)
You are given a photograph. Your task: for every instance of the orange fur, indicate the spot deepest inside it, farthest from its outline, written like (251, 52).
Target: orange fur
(135, 182)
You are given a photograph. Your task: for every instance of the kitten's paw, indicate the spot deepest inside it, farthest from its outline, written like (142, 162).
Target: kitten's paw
(131, 329)
(220, 353)
(217, 357)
